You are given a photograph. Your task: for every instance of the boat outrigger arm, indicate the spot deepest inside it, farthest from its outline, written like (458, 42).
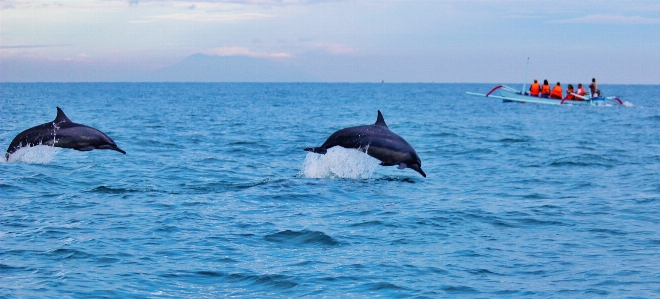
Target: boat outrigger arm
(583, 98)
(510, 94)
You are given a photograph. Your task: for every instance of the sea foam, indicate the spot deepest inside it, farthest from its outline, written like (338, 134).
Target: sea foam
(38, 154)
(339, 162)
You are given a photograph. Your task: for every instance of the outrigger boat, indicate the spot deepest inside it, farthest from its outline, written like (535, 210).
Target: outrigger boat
(508, 94)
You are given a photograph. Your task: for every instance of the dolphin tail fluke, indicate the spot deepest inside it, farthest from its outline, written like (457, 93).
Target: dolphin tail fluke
(318, 150)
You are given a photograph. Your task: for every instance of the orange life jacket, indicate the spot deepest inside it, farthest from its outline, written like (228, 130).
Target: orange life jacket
(545, 89)
(534, 89)
(580, 91)
(556, 92)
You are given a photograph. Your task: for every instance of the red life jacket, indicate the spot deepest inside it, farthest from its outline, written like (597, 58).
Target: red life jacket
(580, 91)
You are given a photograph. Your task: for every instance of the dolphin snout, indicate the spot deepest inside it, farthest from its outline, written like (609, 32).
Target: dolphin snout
(111, 147)
(417, 168)
(119, 150)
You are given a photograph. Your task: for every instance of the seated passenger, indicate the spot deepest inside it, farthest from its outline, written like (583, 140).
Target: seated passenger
(569, 93)
(556, 92)
(545, 89)
(580, 90)
(535, 89)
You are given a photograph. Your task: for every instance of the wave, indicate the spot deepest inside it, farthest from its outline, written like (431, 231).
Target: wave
(457, 290)
(7, 269)
(223, 186)
(258, 183)
(533, 222)
(383, 286)
(339, 162)
(62, 254)
(586, 160)
(274, 280)
(369, 223)
(514, 140)
(397, 179)
(614, 232)
(301, 238)
(118, 190)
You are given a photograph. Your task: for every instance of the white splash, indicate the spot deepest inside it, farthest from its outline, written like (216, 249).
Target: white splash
(339, 162)
(39, 154)
(628, 104)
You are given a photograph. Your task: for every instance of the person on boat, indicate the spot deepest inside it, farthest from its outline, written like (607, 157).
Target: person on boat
(580, 90)
(535, 89)
(594, 88)
(569, 93)
(545, 89)
(556, 92)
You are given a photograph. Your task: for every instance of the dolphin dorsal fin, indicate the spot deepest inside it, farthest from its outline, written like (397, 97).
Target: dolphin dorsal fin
(61, 117)
(380, 121)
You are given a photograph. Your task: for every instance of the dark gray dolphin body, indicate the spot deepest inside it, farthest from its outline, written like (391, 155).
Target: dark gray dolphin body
(62, 132)
(377, 141)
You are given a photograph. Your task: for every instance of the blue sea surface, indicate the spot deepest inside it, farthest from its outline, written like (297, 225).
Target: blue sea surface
(216, 197)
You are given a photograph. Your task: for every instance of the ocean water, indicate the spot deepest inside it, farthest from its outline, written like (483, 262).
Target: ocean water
(216, 198)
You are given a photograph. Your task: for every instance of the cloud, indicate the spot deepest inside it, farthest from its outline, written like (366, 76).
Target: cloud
(30, 46)
(336, 49)
(244, 2)
(241, 51)
(608, 19)
(217, 17)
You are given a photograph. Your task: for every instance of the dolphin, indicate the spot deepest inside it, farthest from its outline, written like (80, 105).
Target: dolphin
(377, 141)
(62, 132)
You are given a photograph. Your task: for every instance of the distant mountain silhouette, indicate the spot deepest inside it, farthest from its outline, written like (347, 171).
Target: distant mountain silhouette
(194, 68)
(211, 68)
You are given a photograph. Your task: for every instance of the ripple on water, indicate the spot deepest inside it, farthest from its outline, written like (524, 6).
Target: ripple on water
(66, 253)
(217, 199)
(276, 281)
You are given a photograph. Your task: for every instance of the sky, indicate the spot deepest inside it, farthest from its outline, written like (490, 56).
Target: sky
(442, 41)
